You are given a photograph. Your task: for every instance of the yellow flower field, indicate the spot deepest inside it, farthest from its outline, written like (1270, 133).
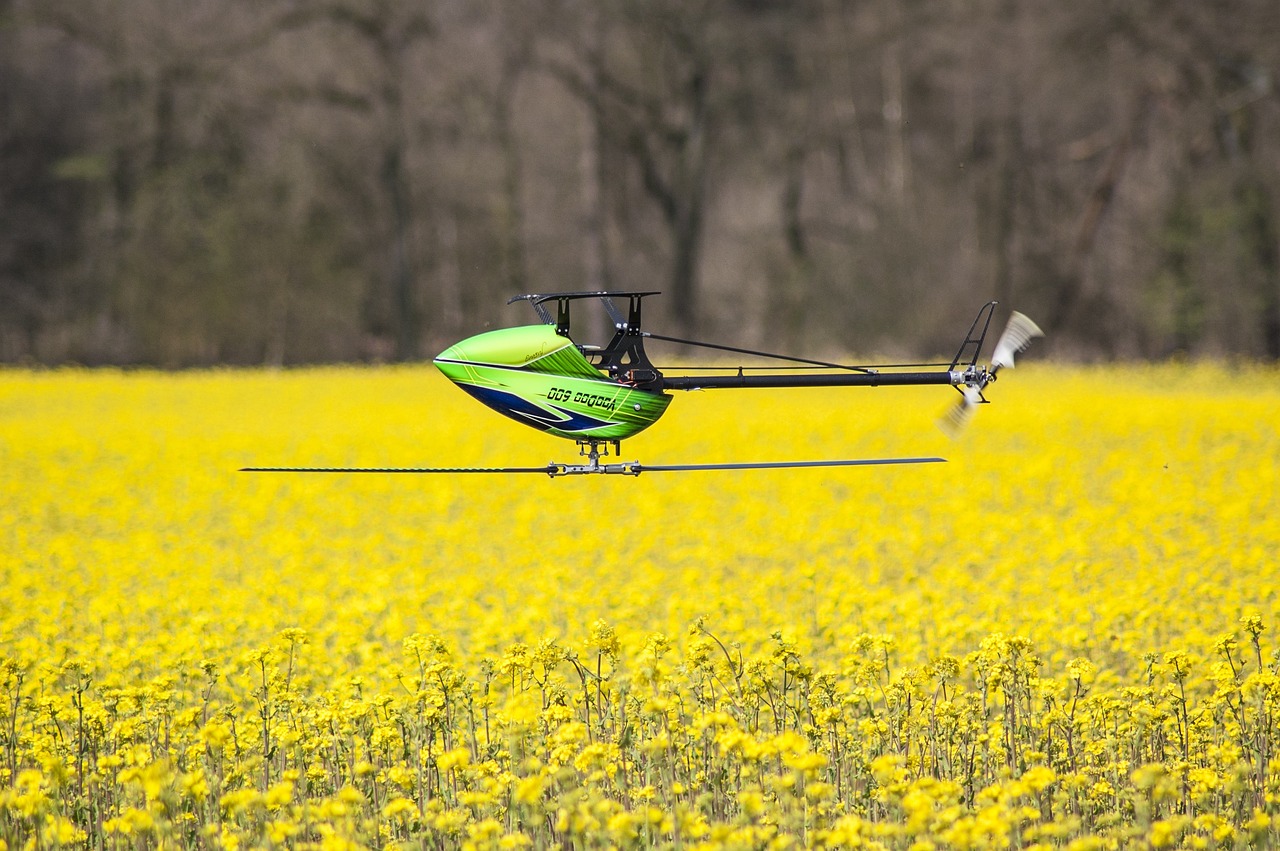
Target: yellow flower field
(1066, 636)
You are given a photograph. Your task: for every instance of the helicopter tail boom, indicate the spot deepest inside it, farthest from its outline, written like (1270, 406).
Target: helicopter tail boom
(963, 371)
(823, 379)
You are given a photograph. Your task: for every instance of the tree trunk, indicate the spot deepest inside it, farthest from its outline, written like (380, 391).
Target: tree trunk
(687, 221)
(595, 248)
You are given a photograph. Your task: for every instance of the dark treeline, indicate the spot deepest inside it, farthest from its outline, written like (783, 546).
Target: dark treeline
(281, 181)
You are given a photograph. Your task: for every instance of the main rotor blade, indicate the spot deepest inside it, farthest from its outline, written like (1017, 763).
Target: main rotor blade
(546, 470)
(777, 465)
(629, 468)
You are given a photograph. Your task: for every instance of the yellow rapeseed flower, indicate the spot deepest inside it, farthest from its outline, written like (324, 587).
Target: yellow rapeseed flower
(1064, 644)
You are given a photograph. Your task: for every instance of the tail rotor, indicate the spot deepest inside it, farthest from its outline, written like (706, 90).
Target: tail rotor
(1018, 334)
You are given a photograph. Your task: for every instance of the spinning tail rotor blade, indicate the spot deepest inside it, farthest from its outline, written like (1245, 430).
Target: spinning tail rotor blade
(1017, 335)
(955, 419)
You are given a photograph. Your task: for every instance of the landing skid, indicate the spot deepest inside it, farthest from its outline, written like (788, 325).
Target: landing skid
(591, 450)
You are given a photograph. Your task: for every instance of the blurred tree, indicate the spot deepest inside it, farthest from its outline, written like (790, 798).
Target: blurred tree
(646, 73)
(192, 181)
(1190, 201)
(42, 189)
(389, 33)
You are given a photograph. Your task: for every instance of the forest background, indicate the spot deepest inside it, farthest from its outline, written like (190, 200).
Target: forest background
(190, 182)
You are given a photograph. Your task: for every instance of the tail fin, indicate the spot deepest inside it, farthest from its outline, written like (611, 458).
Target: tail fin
(975, 338)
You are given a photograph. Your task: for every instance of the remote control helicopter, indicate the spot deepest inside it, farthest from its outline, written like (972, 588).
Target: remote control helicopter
(599, 395)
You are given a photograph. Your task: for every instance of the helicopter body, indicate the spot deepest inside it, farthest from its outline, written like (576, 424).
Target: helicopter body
(542, 379)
